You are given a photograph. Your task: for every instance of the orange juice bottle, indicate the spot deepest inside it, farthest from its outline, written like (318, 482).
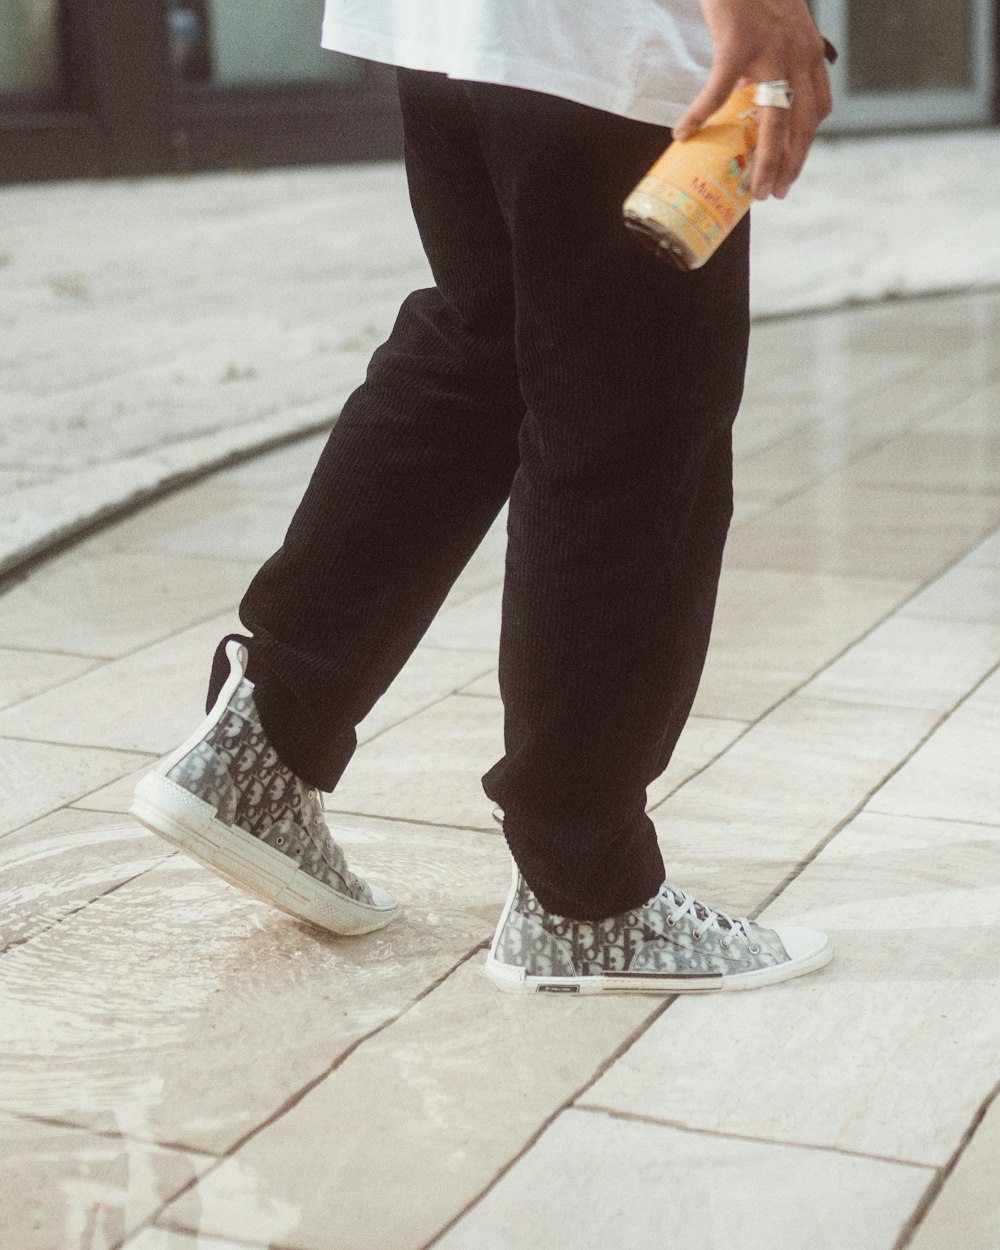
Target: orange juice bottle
(698, 190)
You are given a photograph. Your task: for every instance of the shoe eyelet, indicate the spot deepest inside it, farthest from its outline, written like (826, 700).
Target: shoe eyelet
(279, 841)
(697, 935)
(725, 944)
(754, 950)
(671, 922)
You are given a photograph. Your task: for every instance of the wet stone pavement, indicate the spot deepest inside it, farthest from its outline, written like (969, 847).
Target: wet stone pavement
(184, 1068)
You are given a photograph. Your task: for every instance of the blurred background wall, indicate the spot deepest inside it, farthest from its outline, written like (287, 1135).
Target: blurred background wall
(104, 87)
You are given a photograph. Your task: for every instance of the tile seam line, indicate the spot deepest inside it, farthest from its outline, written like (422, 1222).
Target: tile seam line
(78, 746)
(26, 941)
(797, 690)
(451, 693)
(945, 820)
(809, 423)
(918, 587)
(806, 425)
(879, 444)
(294, 1099)
(132, 652)
(122, 812)
(638, 1117)
(409, 820)
(863, 803)
(934, 1190)
(71, 655)
(108, 1134)
(890, 300)
(216, 558)
(67, 807)
(815, 482)
(748, 725)
(27, 737)
(51, 811)
(657, 1010)
(171, 635)
(195, 1238)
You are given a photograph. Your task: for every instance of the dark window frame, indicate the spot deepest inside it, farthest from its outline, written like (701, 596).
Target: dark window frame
(122, 114)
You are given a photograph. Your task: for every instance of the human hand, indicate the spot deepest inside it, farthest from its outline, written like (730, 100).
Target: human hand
(761, 41)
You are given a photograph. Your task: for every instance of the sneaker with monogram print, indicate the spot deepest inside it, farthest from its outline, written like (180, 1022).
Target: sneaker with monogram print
(225, 798)
(671, 945)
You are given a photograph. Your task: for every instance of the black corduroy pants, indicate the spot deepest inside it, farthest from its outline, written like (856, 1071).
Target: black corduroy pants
(556, 363)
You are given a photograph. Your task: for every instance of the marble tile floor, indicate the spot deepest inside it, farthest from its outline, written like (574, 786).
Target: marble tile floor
(183, 1068)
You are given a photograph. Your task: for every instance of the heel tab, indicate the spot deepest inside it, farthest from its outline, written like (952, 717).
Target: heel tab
(233, 650)
(237, 655)
(231, 657)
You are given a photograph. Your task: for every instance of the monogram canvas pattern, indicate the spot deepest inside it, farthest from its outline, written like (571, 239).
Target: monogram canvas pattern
(672, 935)
(236, 770)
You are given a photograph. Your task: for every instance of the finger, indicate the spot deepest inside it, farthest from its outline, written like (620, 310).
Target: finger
(821, 89)
(803, 120)
(713, 95)
(770, 150)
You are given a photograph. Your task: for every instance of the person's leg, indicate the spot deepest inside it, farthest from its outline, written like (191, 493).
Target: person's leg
(632, 374)
(414, 472)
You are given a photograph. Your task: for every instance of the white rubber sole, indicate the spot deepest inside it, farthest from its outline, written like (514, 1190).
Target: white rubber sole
(186, 821)
(515, 981)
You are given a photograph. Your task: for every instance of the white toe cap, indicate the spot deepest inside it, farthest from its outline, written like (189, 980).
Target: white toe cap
(810, 947)
(382, 899)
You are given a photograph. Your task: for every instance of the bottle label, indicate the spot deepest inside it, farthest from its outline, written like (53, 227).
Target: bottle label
(698, 190)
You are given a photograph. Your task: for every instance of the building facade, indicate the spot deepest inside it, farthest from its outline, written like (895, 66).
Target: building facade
(105, 87)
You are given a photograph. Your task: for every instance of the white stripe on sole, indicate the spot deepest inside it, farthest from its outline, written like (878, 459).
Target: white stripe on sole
(514, 980)
(191, 824)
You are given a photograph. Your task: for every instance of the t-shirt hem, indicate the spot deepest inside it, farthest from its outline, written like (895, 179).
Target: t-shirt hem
(550, 80)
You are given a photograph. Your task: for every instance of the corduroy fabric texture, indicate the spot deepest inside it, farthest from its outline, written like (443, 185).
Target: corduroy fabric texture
(556, 363)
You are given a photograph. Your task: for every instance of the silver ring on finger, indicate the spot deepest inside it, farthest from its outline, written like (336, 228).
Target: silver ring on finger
(776, 94)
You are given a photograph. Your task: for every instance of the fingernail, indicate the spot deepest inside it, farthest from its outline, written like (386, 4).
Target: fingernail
(764, 192)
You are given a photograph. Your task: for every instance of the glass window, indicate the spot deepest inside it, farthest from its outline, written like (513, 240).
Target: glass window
(248, 43)
(910, 45)
(29, 48)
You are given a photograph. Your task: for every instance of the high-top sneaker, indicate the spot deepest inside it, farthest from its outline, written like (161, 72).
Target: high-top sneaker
(226, 799)
(671, 945)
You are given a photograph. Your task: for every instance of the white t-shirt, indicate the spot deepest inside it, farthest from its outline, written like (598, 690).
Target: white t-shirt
(645, 59)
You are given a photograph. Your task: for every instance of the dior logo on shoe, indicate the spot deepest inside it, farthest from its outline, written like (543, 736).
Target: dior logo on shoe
(673, 935)
(235, 769)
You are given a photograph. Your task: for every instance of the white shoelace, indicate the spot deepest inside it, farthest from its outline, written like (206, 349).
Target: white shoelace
(351, 880)
(706, 918)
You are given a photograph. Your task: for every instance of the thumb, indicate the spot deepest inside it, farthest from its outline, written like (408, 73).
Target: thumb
(713, 95)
